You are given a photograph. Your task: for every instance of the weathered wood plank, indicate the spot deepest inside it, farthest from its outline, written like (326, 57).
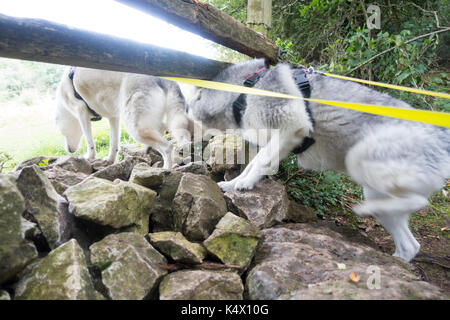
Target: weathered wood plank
(210, 23)
(40, 40)
(259, 15)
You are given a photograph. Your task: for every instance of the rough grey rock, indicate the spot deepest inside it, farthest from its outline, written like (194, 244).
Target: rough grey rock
(234, 241)
(62, 275)
(99, 164)
(4, 295)
(201, 285)
(264, 206)
(29, 229)
(310, 261)
(73, 164)
(15, 253)
(197, 207)
(61, 179)
(139, 152)
(39, 161)
(116, 204)
(300, 213)
(162, 214)
(130, 266)
(197, 167)
(226, 155)
(120, 170)
(147, 176)
(158, 164)
(45, 205)
(177, 247)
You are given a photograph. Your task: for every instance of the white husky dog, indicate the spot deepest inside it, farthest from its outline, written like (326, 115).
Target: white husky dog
(141, 101)
(399, 163)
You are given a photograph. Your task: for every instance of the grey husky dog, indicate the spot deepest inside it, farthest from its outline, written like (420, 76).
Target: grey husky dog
(141, 101)
(398, 163)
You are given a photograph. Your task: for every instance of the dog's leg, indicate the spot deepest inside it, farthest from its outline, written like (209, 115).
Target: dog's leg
(166, 152)
(389, 204)
(178, 128)
(229, 185)
(267, 160)
(114, 139)
(393, 215)
(85, 123)
(406, 246)
(154, 139)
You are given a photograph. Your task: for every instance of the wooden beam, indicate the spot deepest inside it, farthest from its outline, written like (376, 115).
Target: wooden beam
(259, 15)
(210, 23)
(40, 40)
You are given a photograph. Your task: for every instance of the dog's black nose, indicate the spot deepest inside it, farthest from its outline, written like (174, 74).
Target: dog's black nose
(186, 108)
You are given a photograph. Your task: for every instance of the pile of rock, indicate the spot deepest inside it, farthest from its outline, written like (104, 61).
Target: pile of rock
(71, 229)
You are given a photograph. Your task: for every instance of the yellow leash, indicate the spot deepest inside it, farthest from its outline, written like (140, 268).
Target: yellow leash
(435, 118)
(390, 86)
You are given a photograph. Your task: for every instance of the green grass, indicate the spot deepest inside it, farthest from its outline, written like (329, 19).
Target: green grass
(29, 131)
(436, 216)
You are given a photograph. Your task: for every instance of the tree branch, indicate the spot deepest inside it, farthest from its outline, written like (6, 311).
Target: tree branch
(390, 49)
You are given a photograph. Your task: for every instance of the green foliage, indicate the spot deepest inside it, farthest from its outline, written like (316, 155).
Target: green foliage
(27, 78)
(43, 163)
(235, 8)
(333, 36)
(323, 191)
(6, 162)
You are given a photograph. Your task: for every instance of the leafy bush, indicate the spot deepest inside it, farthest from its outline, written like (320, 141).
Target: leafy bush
(324, 191)
(29, 78)
(332, 35)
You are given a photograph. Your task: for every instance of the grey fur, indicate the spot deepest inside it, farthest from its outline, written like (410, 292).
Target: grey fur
(399, 163)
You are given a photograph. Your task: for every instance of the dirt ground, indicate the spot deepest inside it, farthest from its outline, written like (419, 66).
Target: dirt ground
(430, 226)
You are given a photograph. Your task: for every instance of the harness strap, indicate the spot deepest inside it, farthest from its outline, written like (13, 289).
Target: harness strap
(303, 84)
(301, 81)
(96, 117)
(240, 104)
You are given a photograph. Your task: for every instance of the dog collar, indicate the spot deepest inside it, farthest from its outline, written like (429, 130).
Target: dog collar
(96, 117)
(240, 104)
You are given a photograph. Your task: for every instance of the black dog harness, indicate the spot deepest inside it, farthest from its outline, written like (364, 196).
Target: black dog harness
(96, 117)
(240, 104)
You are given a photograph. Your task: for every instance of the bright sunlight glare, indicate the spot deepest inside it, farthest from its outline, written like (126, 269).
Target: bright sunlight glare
(111, 17)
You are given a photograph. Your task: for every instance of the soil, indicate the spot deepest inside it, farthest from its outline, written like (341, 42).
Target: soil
(432, 264)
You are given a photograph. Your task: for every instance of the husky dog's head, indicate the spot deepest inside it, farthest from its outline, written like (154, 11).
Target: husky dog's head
(213, 108)
(69, 127)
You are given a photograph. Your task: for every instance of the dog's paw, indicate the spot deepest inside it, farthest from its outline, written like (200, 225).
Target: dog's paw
(363, 210)
(243, 185)
(109, 160)
(90, 157)
(225, 185)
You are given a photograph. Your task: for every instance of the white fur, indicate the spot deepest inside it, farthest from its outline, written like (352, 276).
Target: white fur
(140, 101)
(398, 163)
